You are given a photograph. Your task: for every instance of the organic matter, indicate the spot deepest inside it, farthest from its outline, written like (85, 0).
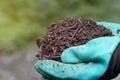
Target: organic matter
(67, 33)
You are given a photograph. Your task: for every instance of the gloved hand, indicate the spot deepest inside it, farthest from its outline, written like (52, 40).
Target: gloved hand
(84, 62)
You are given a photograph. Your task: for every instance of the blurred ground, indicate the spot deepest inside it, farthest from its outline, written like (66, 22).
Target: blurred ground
(20, 66)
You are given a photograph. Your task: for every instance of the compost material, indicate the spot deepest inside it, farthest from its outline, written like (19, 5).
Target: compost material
(67, 33)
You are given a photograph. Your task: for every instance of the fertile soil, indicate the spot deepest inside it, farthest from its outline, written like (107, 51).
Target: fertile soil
(67, 33)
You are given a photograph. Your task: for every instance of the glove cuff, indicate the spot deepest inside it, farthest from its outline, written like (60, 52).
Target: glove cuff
(114, 66)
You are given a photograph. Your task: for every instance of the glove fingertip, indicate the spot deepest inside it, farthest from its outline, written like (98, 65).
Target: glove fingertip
(36, 65)
(41, 64)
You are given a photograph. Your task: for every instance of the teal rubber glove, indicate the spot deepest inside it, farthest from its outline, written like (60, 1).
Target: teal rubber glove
(85, 62)
(114, 27)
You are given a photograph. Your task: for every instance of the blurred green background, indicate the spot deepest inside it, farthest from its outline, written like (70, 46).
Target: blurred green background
(22, 21)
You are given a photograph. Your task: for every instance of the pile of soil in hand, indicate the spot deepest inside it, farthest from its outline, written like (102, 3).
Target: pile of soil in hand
(67, 33)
